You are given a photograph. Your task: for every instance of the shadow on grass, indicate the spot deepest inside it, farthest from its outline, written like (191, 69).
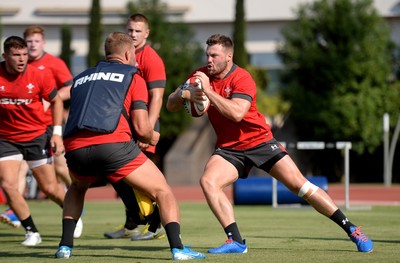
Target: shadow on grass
(92, 251)
(299, 238)
(345, 238)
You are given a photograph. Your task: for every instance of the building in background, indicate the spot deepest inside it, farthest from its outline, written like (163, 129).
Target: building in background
(264, 22)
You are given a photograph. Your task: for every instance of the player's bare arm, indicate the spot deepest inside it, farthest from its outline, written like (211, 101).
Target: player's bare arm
(174, 101)
(65, 92)
(56, 140)
(141, 124)
(156, 100)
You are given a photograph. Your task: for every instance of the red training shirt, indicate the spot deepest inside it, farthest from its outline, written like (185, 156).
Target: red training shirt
(151, 66)
(58, 70)
(152, 69)
(253, 128)
(21, 107)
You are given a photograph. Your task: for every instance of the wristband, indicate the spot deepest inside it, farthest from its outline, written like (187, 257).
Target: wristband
(181, 94)
(57, 130)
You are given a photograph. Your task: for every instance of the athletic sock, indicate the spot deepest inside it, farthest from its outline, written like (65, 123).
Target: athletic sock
(233, 230)
(339, 218)
(129, 222)
(128, 197)
(68, 227)
(173, 231)
(29, 225)
(155, 221)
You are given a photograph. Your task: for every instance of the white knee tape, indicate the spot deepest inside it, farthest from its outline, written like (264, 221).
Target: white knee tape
(307, 186)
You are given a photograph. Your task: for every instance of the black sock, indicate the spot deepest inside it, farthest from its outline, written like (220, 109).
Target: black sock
(129, 221)
(29, 225)
(339, 218)
(173, 231)
(128, 197)
(68, 228)
(155, 221)
(233, 230)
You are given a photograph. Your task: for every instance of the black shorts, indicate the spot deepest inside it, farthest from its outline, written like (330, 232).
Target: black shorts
(36, 149)
(263, 156)
(112, 161)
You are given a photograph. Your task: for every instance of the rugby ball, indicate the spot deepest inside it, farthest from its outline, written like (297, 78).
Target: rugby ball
(146, 207)
(195, 109)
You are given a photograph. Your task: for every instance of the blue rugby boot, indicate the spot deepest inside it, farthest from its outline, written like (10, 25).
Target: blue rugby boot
(186, 254)
(363, 242)
(230, 246)
(10, 218)
(64, 252)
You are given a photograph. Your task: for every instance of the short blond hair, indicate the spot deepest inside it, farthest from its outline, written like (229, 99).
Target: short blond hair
(117, 43)
(34, 29)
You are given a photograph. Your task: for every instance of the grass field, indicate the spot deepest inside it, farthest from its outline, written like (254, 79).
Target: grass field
(273, 235)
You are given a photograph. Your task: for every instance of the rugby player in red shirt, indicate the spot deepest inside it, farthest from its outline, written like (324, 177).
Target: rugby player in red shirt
(35, 38)
(54, 67)
(23, 132)
(245, 140)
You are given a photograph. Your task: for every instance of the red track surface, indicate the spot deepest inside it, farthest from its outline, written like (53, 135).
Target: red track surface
(363, 194)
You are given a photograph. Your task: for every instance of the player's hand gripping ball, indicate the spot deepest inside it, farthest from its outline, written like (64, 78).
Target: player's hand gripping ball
(192, 108)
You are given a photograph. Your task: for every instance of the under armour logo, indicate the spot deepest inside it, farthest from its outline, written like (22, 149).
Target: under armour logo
(30, 87)
(344, 221)
(274, 147)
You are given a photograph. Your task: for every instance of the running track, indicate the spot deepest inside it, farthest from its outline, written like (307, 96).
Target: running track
(360, 194)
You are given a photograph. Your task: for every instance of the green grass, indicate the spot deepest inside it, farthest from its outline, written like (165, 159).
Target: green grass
(273, 235)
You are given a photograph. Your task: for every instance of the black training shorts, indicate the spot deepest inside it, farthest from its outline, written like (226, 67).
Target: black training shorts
(263, 156)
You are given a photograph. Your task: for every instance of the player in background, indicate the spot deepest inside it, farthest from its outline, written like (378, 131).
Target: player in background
(35, 37)
(23, 133)
(244, 140)
(101, 146)
(152, 69)
(39, 58)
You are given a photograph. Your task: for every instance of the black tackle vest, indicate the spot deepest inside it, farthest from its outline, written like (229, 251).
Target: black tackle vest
(97, 98)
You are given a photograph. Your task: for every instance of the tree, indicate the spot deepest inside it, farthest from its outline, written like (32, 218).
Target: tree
(339, 65)
(95, 34)
(240, 56)
(271, 105)
(66, 51)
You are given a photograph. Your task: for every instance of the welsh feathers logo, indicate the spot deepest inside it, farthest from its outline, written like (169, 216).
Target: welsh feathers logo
(30, 86)
(227, 92)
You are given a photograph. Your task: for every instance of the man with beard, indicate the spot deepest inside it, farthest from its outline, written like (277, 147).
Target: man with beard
(245, 140)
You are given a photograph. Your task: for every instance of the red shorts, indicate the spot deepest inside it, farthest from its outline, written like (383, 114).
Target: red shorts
(151, 149)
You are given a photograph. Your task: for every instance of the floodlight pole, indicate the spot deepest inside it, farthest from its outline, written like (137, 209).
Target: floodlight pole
(392, 149)
(347, 147)
(274, 193)
(386, 160)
